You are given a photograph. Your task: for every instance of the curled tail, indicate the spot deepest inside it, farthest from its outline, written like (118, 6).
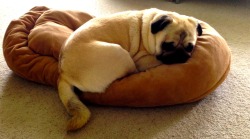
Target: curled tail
(80, 114)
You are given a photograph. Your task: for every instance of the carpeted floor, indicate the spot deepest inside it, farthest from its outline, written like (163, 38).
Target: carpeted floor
(33, 111)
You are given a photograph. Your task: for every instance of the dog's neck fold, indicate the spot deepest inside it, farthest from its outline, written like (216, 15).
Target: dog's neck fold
(152, 41)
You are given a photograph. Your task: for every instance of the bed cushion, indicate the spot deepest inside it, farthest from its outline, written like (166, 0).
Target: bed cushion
(32, 45)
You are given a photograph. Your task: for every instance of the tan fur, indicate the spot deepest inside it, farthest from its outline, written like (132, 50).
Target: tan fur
(107, 48)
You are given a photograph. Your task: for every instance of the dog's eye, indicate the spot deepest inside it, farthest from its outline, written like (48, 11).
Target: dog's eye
(168, 46)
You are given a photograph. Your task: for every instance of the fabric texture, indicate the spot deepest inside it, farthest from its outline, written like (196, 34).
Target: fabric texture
(32, 45)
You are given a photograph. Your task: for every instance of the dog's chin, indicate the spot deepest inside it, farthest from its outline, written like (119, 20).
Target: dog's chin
(174, 57)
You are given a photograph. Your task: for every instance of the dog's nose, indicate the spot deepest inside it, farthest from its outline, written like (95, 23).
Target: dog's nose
(178, 56)
(189, 48)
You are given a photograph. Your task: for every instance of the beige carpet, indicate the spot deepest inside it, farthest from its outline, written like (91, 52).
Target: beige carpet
(34, 111)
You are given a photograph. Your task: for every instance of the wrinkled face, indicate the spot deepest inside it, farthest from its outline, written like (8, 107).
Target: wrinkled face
(180, 35)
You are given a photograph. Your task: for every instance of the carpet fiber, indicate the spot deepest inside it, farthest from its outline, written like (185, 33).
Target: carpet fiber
(29, 110)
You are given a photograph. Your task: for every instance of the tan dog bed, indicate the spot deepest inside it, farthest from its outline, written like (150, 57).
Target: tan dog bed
(32, 45)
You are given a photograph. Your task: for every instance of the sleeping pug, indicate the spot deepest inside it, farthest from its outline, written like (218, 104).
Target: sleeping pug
(111, 47)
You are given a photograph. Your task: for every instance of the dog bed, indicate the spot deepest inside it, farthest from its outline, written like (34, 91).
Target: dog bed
(32, 43)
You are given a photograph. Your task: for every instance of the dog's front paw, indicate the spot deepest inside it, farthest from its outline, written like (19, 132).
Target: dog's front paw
(80, 115)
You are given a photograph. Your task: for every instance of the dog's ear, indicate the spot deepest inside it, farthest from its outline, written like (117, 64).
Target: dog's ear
(160, 24)
(199, 29)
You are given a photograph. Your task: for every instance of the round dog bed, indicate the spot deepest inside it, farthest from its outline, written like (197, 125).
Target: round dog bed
(32, 45)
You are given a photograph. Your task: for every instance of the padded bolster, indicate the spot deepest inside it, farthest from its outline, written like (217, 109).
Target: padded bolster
(32, 43)
(32, 46)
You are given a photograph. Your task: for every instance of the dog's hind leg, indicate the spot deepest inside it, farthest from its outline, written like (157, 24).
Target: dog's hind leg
(79, 112)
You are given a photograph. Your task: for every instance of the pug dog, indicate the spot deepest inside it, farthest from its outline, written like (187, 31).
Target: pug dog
(111, 47)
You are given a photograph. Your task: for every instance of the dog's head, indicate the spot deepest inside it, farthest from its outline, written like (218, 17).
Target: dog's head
(176, 37)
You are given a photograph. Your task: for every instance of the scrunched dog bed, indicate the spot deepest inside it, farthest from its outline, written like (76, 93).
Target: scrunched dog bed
(32, 45)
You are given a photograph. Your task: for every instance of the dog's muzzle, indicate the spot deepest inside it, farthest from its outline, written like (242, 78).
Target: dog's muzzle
(175, 54)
